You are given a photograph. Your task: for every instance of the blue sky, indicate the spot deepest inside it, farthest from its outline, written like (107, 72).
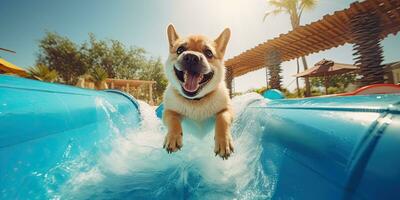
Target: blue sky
(143, 23)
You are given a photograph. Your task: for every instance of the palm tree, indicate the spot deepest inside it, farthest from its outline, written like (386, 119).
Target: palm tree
(295, 9)
(274, 65)
(366, 29)
(99, 76)
(43, 73)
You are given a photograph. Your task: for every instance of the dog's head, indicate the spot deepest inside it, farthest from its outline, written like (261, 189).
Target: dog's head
(195, 64)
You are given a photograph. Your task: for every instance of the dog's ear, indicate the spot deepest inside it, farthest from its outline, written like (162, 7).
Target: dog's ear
(222, 40)
(172, 35)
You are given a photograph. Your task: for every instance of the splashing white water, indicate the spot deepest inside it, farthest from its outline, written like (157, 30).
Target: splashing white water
(137, 166)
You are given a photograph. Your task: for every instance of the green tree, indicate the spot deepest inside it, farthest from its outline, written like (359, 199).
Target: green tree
(61, 54)
(295, 10)
(99, 59)
(43, 73)
(114, 57)
(153, 70)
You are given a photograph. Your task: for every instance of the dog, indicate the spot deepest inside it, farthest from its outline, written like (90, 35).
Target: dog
(197, 90)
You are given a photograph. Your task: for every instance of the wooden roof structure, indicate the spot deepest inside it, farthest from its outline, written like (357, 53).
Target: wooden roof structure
(330, 31)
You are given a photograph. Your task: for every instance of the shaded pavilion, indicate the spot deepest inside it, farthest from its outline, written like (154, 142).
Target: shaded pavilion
(327, 69)
(127, 85)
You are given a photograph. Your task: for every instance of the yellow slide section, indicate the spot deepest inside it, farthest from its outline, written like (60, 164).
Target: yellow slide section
(9, 68)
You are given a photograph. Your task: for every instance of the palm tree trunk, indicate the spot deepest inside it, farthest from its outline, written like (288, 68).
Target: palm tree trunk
(297, 78)
(295, 20)
(274, 65)
(306, 79)
(366, 28)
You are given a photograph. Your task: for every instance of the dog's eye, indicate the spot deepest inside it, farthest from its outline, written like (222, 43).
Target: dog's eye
(208, 53)
(180, 50)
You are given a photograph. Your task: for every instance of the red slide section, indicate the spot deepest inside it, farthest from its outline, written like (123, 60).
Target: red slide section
(374, 89)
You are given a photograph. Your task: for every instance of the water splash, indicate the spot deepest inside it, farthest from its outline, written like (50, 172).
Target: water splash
(136, 166)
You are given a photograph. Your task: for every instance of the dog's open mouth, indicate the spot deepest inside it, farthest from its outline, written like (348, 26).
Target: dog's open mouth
(192, 83)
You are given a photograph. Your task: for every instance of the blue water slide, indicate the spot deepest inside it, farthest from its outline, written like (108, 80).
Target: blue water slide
(314, 148)
(43, 125)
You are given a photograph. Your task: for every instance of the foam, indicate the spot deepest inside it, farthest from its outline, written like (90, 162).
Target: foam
(135, 165)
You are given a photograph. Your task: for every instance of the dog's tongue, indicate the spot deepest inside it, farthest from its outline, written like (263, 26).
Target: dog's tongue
(192, 82)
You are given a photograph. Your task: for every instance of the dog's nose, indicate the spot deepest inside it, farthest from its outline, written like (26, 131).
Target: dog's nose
(191, 59)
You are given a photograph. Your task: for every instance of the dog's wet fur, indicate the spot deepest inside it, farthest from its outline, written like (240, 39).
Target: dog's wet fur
(197, 89)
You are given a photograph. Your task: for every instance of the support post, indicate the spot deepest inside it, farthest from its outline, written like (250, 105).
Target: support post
(228, 80)
(127, 87)
(297, 78)
(326, 84)
(266, 75)
(306, 79)
(151, 94)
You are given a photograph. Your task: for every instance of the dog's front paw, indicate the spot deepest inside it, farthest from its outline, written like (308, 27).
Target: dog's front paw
(173, 142)
(223, 147)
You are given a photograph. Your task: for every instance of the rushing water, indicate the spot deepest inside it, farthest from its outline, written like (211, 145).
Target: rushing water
(133, 165)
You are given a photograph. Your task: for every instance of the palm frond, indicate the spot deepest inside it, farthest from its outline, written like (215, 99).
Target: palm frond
(294, 8)
(308, 4)
(43, 73)
(288, 6)
(273, 12)
(98, 75)
(277, 3)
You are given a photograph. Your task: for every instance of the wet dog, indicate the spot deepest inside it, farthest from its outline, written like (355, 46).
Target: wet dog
(197, 89)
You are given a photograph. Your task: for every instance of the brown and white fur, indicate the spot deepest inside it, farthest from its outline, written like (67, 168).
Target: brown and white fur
(198, 59)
